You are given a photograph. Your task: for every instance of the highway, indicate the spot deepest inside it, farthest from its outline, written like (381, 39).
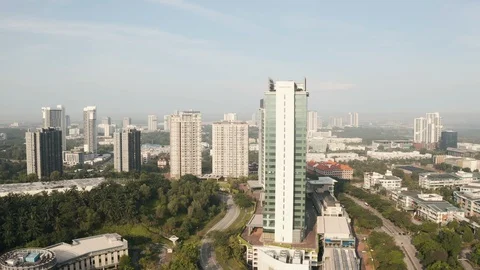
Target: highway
(403, 241)
(207, 253)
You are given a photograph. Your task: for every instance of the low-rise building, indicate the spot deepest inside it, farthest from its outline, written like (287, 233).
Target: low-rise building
(94, 252)
(392, 144)
(71, 158)
(397, 155)
(387, 181)
(438, 180)
(462, 152)
(330, 168)
(430, 207)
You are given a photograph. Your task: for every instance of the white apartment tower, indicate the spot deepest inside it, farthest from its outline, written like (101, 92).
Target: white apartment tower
(285, 146)
(185, 144)
(427, 129)
(353, 119)
(230, 148)
(55, 118)
(230, 117)
(312, 121)
(107, 126)
(166, 122)
(90, 129)
(152, 123)
(127, 121)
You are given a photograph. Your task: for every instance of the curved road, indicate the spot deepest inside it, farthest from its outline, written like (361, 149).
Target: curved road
(403, 241)
(207, 253)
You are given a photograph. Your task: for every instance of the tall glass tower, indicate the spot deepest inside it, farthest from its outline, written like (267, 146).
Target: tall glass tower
(285, 150)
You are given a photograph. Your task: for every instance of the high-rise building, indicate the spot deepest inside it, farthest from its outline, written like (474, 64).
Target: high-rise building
(434, 127)
(127, 121)
(90, 129)
(230, 117)
(185, 144)
(44, 152)
(419, 127)
(230, 148)
(55, 118)
(67, 120)
(126, 150)
(107, 126)
(448, 139)
(336, 122)
(427, 130)
(312, 121)
(152, 123)
(166, 122)
(353, 119)
(261, 143)
(284, 217)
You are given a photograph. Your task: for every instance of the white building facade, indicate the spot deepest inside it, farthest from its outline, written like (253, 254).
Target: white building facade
(152, 123)
(90, 140)
(230, 148)
(387, 181)
(185, 144)
(312, 121)
(427, 130)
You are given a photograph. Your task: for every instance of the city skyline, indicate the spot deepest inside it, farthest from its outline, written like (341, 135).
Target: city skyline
(371, 56)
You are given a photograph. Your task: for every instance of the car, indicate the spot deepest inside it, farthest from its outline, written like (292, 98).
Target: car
(366, 204)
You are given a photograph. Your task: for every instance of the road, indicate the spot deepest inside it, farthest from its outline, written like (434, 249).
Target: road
(207, 253)
(403, 241)
(463, 259)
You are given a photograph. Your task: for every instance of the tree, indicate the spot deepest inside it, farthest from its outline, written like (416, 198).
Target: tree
(55, 176)
(125, 263)
(439, 266)
(32, 177)
(243, 200)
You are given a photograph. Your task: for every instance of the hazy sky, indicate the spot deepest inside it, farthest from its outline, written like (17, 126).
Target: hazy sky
(132, 57)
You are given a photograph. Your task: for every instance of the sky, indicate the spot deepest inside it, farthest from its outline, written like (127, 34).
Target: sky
(139, 57)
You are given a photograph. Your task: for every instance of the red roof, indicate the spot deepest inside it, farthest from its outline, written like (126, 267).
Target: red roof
(329, 166)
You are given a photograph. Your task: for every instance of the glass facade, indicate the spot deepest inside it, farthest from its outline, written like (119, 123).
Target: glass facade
(270, 152)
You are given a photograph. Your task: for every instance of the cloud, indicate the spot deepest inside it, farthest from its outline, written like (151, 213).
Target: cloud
(332, 86)
(210, 14)
(93, 30)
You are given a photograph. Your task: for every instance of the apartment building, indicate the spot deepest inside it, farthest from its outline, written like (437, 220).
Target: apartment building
(44, 152)
(230, 148)
(438, 180)
(387, 181)
(185, 144)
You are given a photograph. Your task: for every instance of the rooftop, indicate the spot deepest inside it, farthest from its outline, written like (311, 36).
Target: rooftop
(329, 166)
(333, 226)
(323, 181)
(38, 187)
(254, 184)
(340, 259)
(83, 246)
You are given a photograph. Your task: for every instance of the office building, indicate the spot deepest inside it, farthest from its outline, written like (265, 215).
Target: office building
(427, 130)
(127, 150)
(94, 252)
(72, 158)
(185, 144)
(353, 119)
(312, 121)
(261, 143)
(230, 148)
(127, 121)
(230, 117)
(285, 148)
(90, 129)
(152, 123)
(55, 118)
(439, 180)
(44, 152)
(448, 139)
(387, 181)
(166, 123)
(67, 120)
